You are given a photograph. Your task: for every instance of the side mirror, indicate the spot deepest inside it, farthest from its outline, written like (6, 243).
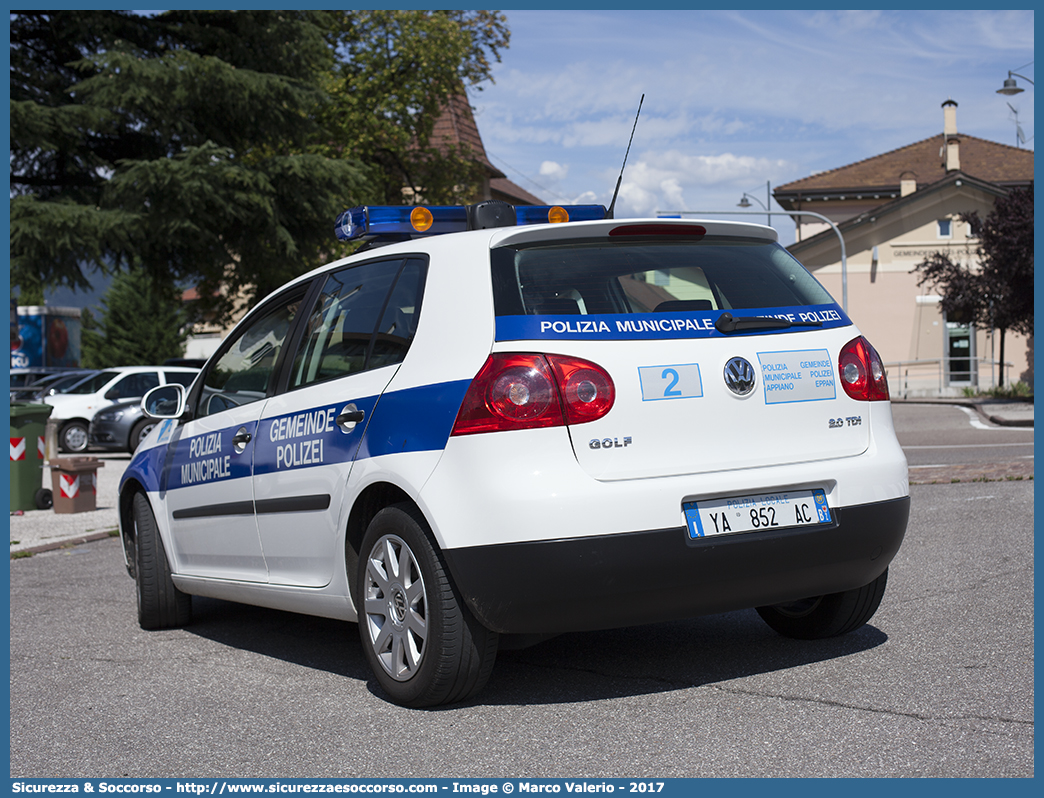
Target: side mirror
(164, 401)
(112, 394)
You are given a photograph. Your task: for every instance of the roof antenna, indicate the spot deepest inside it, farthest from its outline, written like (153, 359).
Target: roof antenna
(609, 212)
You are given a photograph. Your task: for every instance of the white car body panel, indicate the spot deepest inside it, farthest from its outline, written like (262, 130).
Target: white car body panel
(706, 427)
(520, 486)
(520, 492)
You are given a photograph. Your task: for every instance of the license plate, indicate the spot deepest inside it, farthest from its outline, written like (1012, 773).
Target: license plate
(756, 513)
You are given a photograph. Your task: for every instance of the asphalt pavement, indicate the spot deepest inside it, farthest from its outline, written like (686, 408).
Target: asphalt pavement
(43, 530)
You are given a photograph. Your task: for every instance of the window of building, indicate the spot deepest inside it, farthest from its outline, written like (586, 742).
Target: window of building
(945, 228)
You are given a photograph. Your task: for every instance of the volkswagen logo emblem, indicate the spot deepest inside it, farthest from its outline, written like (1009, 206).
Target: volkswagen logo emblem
(739, 376)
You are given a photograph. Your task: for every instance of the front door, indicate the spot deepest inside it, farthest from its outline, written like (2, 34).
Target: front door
(209, 491)
(959, 357)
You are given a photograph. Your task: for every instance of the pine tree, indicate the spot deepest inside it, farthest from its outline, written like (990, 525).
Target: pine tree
(142, 323)
(215, 148)
(182, 143)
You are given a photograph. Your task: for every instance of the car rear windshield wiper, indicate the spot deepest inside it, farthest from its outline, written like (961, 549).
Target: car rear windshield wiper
(727, 323)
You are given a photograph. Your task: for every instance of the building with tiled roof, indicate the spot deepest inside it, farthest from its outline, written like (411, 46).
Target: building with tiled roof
(894, 210)
(847, 191)
(456, 128)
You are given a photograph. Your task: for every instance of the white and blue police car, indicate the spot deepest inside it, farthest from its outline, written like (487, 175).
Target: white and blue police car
(497, 424)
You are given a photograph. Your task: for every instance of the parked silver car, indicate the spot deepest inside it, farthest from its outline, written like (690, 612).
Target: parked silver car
(120, 428)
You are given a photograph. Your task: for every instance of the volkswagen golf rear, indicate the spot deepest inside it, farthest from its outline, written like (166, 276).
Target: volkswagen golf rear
(489, 431)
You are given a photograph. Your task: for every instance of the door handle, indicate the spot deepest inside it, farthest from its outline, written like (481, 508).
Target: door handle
(241, 439)
(350, 415)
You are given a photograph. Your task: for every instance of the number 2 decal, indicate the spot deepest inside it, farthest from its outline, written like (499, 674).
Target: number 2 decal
(670, 390)
(681, 381)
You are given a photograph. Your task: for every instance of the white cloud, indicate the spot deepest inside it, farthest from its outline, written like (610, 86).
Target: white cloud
(705, 169)
(735, 99)
(553, 171)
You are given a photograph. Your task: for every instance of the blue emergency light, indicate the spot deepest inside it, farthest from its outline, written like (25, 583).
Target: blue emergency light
(401, 222)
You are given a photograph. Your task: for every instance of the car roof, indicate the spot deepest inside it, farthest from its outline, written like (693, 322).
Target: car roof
(516, 234)
(149, 368)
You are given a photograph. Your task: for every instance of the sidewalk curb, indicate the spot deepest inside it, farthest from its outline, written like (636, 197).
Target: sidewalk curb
(61, 544)
(977, 407)
(1009, 422)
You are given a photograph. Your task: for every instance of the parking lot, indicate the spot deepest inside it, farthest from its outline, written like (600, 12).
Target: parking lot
(939, 684)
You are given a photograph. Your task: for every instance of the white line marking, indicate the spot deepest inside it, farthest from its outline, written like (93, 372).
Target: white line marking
(975, 421)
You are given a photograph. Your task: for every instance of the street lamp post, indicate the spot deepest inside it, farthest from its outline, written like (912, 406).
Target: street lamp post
(1010, 88)
(745, 202)
(837, 232)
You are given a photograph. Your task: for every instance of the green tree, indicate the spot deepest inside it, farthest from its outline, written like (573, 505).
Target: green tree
(396, 70)
(183, 143)
(142, 323)
(998, 294)
(218, 147)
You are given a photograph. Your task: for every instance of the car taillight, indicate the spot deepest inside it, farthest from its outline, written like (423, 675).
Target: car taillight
(862, 372)
(526, 391)
(587, 389)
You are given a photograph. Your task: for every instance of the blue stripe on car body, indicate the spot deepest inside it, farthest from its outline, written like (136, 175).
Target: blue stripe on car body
(411, 420)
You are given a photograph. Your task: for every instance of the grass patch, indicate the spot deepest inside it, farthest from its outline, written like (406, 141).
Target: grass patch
(20, 555)
(1019, 390)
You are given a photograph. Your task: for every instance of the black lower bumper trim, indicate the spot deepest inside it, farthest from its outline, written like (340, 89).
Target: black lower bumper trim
(645, 577)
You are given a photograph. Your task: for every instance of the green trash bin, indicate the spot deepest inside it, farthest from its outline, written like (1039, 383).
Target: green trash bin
(27, 456)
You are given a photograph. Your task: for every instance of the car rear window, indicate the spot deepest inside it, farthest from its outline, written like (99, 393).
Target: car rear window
(613, 277)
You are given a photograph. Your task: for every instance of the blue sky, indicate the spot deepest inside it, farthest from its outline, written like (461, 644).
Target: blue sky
(738, 99)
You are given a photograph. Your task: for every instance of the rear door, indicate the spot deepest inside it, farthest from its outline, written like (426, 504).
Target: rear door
(358, 331)
(690, 398)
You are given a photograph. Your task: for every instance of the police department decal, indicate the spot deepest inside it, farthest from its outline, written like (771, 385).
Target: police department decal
(207, 461)
(648, 326)
(801, 376)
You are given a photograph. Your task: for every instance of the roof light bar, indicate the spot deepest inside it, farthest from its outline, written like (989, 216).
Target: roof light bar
(556, 214)
(367, 222)
(399, 221)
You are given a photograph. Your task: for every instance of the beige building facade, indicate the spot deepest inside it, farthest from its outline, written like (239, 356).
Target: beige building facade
(893, 212)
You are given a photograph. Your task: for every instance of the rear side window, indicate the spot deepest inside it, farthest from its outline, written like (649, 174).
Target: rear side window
(95, 383)
(612, 277)
(365, 318)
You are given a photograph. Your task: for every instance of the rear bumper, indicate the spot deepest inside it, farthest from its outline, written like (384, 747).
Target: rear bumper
(627, 579)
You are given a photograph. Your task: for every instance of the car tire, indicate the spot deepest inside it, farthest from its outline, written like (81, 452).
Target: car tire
(421, 642)
(826, 616)
(160, 604)
(43, 499)
(73, 438)
(139, 433)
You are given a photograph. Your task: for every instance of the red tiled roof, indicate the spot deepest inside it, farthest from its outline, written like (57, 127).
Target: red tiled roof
(987, 160)
(504, 189)
(456, 127)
